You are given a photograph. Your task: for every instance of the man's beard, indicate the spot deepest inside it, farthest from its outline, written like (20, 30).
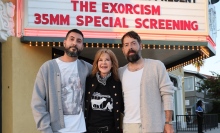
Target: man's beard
(70, 53)
(134, 57)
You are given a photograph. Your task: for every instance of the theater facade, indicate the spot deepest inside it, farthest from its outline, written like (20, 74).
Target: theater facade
(177, 32)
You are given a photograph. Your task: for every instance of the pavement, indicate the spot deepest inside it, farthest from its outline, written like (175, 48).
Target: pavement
(213, 130)
(216, 130)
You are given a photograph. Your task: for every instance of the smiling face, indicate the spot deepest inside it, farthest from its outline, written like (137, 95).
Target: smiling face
(73, 45)
(131, 49)
(104, 64)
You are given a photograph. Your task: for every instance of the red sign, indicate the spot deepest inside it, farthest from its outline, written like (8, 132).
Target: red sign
(117, 22)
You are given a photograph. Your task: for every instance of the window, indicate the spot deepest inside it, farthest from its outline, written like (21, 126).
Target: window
(189, 83)
(198, 83)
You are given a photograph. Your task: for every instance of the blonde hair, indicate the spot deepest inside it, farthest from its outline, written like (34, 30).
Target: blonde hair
(113, 58)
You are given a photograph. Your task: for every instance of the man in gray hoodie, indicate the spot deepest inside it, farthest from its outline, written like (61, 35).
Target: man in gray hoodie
(58, 95)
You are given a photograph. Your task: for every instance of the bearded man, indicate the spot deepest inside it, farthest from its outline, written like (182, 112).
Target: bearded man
(57, 101)
(147, 90)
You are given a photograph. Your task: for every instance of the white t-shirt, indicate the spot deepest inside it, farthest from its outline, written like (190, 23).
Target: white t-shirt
(72, 98)
(131, 90)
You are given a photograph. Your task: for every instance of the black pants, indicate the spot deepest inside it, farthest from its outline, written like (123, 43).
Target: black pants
(103, 129)
(200, 122)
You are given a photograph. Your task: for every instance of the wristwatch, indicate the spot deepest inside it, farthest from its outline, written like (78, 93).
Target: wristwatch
(169, 122)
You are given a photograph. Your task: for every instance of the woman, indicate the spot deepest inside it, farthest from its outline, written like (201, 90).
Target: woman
(199, 112)
(103, 100)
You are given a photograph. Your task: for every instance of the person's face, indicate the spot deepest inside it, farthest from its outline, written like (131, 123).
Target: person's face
(131, 49)
(104, 64)
(73, 45)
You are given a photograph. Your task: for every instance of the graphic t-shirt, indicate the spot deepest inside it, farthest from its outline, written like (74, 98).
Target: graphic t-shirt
(101, 109)
(72, 97)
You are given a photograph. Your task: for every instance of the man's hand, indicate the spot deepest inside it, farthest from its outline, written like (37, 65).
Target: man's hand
(168, 128)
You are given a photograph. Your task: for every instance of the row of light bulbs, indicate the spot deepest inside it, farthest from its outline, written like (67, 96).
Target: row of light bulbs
(204, 53)
(103, 45)
(48, 44)
(202, 57)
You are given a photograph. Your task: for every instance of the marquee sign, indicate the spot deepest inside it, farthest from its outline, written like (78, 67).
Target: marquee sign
(145, 16)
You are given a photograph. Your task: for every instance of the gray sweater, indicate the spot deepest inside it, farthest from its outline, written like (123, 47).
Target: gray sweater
(46, 101)
(156, 95)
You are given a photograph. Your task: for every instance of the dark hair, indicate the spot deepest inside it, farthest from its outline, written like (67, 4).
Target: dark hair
(199, 103)
(131, 34)
(76, 31)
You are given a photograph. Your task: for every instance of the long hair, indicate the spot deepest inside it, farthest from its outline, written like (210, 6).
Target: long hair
(113, 58)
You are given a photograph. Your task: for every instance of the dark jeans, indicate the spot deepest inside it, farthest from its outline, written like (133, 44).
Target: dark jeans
(200, 122)
(103, 129)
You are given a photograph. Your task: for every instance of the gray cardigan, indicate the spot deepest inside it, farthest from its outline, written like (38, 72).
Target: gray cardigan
(46, 101)
(156, 95)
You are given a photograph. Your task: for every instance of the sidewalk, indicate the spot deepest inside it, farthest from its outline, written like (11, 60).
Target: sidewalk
(216, 130)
